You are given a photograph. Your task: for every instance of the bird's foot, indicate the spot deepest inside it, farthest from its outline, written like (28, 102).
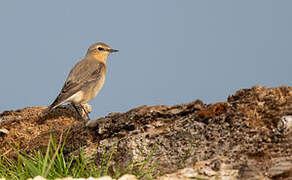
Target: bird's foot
(83, 111)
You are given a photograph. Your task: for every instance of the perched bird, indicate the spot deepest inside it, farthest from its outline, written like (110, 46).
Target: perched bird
(85, 79)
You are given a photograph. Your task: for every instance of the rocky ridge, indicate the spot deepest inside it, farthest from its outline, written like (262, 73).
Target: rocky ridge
(247, 137)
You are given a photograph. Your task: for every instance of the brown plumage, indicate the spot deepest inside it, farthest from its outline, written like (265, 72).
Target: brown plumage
(86, 78)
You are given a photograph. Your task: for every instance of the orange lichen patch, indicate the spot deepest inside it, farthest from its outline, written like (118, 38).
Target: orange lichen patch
(213, 110)
(205, 114)
(219, 108)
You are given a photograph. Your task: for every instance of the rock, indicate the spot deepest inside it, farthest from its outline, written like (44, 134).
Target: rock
(285, 124)
(244, 137)
(186, 174)
(37, 178)
(101, 178)
(128, 177)
(280, 168)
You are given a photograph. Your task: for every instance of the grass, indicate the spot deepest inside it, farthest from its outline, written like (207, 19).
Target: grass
(54, 164)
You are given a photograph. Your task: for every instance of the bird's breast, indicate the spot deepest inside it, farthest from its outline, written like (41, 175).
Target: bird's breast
(99, 85)
(93, 89)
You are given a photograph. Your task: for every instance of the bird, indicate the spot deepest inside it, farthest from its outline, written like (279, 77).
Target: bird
(85, 79)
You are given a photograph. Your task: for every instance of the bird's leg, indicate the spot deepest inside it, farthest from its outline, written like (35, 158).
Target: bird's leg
(88, 118)
(75, 107)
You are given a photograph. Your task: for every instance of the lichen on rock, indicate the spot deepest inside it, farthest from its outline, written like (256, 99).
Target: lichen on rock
(242, 136)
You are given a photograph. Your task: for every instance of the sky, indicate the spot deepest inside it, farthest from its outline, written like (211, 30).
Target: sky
(171, 51)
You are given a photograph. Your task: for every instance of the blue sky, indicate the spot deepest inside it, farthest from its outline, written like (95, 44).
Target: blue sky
(170, 51)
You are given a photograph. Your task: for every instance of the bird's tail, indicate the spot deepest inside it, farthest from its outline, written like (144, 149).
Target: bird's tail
(51, 107)
(58, 101)
(47, 110)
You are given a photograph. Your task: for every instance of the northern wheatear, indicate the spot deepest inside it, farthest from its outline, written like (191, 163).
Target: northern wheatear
(85, 79)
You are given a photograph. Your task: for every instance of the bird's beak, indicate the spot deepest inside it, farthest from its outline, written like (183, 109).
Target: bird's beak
(112, 50)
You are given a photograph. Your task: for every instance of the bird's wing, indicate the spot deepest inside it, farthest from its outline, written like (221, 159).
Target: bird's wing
(83, 73)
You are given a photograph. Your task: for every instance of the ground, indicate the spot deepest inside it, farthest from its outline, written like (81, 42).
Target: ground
(247, 137)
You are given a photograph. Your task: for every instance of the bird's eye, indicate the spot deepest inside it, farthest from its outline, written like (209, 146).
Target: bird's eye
(100, 48)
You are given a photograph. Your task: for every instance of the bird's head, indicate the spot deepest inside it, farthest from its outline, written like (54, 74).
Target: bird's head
(100, 51)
